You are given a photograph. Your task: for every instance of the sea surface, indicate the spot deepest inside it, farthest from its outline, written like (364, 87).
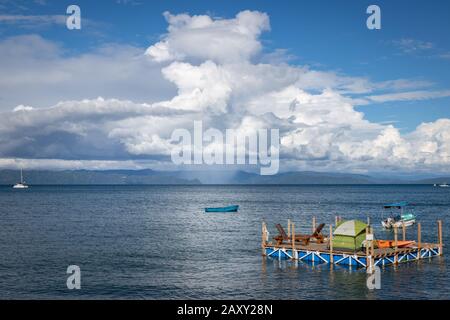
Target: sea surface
(156, 242)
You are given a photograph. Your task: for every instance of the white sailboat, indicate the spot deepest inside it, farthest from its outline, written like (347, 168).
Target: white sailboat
(444, 185)
(21, 184)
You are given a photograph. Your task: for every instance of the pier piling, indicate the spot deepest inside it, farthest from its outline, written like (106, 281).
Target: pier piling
(419, 239)
(372, 250)
(403, 230)
(313, 224)
(331, 244)
(440, 236)
(395, 244)
(367, 249)
(294, 256)
(263, 238)
(289, 227)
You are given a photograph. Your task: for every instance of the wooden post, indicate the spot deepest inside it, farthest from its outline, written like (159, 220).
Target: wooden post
(403, 230)
(313, 224)
(293, 241)
(263, 239)
(440, 236)
(367, 243)
(395, 238)
(331, 245)
(419, 240)
(395, 244)
(289, 227)
(367, 248)
(372, 251)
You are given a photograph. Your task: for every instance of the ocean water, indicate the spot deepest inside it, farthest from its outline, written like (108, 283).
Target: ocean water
(156, 242)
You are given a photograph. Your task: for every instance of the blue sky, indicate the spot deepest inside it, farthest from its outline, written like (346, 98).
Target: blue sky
(324, 34)
(406, 63)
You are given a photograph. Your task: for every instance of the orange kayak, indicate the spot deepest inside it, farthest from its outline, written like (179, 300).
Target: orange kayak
(391, 243)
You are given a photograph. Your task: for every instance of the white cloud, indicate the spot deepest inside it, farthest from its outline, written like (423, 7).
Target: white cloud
(431, 143)
(201, 37)
(129, 2)
(39, 73)
(410, 95)
(413, 46)
(403, 84)
(209, 63)
(35, 20)
(445, 55)
(88, 130)
(205, 87)
(21, 107)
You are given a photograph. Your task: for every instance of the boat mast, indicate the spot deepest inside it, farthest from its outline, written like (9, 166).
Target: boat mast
(21, 176)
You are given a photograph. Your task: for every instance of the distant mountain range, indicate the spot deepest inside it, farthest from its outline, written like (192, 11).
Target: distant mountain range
(133, 177)
(93, 177)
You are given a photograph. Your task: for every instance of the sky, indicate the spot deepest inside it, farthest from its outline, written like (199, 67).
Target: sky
(345, 98)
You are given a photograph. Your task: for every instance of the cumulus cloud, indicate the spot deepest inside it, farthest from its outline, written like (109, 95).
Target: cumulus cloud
(21, 107)
(204, 87)
(209, 65)
(88, 129)
(201, 37)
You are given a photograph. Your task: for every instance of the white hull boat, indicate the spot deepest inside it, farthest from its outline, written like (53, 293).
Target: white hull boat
(390, 223)
(21, 184)
(405, 219)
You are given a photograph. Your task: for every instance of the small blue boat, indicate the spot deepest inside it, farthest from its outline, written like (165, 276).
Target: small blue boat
(223, 209)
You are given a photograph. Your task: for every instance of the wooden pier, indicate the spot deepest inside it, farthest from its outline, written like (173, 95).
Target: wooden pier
(367, 257)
